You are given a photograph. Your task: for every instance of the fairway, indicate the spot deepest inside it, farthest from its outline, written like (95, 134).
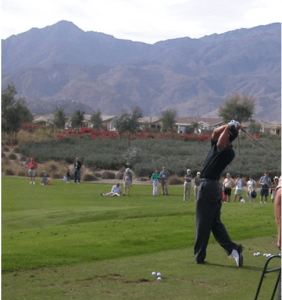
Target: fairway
(65, 241)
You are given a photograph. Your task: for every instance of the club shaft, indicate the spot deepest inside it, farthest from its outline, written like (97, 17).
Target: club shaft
(258, 142)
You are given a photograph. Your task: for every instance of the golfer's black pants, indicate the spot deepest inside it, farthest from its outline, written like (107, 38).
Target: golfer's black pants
(208, 220)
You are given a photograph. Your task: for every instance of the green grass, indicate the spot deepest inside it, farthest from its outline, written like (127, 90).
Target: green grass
(65, 241)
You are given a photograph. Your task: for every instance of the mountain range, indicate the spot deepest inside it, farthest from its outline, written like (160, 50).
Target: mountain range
(61, 65)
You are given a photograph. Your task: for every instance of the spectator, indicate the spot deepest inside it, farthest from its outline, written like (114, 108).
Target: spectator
(155, 177)
(187, 184)
(273, 188)
(241, 200)
(265, 183)
(197, 181)
(77, 170)
(127, 178)
(164, 174)
(251, 185)
(32, 165)
(68, 175)
(238, 188)
(44, 180)
(228, 184)
(115, 191)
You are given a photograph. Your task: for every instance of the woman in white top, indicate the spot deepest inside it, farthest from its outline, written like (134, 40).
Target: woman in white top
(251, 187)
(238, 188)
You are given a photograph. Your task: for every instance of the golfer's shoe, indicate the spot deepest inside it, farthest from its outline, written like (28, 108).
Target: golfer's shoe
(238, 256)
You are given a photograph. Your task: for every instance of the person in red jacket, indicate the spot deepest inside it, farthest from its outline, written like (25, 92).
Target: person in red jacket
(32, 165)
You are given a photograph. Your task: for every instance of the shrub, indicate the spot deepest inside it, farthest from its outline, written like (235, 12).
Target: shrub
(2, 154)
(108, 175)
(89, 177)
(12, 156)
(21, 173)
(143, 179)
(175, 180)
(119, 175)
(9, 172)
(56, 176)
(23, 158)
(6, 149)
(96, 174)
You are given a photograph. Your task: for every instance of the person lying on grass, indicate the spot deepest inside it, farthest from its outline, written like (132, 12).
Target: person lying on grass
(115, 191)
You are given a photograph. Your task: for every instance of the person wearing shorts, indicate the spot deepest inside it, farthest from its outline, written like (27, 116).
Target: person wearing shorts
(228, 184)
(265, 183)
(238, 188)
(127, 178)
(32, 165)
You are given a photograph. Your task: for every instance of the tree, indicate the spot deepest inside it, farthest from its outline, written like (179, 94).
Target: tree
(77, 118)
(59, 117)
(238, 107)
(128, 123)
(96, 119)
(168, 119)
(254, 128)
(14, 112)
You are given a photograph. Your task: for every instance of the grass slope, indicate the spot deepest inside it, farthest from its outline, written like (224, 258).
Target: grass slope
(65, 241)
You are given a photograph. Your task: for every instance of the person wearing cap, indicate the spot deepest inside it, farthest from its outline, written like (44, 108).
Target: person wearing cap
(164, 174)
(187, 185)
(251, 186)
(77, 171)
(208, 205)
(238, 188)
(228, 184)
(127, 178)
(197, 181)
(273, 188)
(265, 183)
(32, 165)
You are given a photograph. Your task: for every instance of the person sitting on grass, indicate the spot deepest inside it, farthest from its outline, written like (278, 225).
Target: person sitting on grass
(45, 180)
(68, 175)
(115, 191)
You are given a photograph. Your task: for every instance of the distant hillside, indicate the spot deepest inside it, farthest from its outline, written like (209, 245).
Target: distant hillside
(63, 64)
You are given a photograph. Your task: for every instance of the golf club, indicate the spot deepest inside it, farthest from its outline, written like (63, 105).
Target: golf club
(258, 142)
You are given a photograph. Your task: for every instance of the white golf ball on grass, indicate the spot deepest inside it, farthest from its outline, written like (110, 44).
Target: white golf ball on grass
(154, 273)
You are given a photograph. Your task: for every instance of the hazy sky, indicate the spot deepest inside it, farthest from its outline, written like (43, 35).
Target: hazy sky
(146, 21)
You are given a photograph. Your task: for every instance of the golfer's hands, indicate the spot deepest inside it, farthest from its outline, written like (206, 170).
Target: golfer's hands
(234, 123)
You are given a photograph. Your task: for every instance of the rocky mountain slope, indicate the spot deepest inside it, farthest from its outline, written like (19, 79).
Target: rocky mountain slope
(63, 64)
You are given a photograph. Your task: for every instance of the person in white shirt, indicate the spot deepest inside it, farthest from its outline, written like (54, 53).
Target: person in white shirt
(238, 188)
(251, 184)
(115, 191)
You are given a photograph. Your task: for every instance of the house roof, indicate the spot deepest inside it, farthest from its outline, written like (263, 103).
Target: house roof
(190, 120)
(152, 119)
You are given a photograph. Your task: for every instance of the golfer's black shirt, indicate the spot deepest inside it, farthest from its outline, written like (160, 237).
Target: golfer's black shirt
(216, 161)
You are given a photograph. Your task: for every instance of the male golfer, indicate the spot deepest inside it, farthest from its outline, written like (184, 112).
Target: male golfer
(209, 198)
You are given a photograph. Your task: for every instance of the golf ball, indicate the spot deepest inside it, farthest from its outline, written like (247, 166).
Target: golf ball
(258, 253)
(154, 273)
(159, 274)
(159, 278)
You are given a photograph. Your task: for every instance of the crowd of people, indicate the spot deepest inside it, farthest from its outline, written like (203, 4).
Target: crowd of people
(265, 185)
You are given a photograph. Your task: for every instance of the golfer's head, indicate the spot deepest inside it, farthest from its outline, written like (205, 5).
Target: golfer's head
(188, 171)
